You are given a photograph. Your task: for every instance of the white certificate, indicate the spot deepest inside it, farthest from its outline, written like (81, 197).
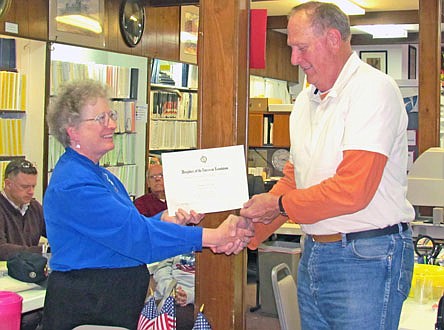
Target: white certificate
(205, 180)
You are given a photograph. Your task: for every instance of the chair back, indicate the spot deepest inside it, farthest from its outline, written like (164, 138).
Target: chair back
(255, 184)
(286, 297)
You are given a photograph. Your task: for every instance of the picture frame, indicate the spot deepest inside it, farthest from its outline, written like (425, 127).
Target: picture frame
(375, 58)
(412, 62)
(189, 31)
(65, 32)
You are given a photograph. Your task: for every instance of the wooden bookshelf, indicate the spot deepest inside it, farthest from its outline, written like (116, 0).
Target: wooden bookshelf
(173, 105)
(268, 129)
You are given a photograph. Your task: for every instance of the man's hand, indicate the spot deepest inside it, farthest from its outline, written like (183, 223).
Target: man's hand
(261, 208)
(181, 296)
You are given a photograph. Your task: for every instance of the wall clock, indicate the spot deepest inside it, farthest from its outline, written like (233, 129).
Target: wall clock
(132, 21)
(279, 158)
(4, 6)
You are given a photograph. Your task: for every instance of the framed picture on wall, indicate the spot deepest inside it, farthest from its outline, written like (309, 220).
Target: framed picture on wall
(376, 58)
(412, 62)
(189, 30)
(79, 21)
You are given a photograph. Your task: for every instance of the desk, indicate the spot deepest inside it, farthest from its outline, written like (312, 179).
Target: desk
(32, 299)
(33, 295)
(289, 229)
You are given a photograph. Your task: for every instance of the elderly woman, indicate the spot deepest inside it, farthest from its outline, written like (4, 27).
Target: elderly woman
(100, 243)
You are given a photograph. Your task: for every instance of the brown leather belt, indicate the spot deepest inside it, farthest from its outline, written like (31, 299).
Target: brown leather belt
(390, 230)
(327, 238)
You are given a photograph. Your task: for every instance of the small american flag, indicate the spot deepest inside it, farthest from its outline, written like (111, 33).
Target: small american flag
(150, 319)
(201, 322)
(148, 313)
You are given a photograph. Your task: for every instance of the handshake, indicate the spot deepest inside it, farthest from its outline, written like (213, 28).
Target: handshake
(231, 237)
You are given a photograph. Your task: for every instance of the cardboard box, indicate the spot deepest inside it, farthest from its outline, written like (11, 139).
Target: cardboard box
(258, 104)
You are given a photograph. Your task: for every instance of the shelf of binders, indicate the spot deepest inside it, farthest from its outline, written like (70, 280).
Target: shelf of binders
(12, 101)
(173, 106)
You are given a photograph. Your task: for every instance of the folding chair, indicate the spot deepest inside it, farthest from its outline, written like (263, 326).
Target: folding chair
(286, 297)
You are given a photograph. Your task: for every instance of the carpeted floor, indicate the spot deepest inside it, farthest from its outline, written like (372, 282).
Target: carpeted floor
(257, 320)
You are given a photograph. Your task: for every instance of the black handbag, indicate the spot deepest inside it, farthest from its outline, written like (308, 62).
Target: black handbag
(28, 267)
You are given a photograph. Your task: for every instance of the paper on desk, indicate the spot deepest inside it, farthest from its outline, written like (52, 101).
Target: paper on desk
(205, 180)
(10, 284)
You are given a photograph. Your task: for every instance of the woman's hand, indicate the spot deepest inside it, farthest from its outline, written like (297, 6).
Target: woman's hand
(183, 218)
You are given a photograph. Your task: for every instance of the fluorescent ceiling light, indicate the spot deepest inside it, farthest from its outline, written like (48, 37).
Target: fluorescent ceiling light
(81, 21)
(383, 30)
(346, 6)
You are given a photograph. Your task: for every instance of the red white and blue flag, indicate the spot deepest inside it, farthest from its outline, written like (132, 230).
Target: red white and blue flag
(151, 319)
(201, 322)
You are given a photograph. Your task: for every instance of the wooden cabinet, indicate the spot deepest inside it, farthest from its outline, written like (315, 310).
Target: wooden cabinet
(268, 129)
(278, 65)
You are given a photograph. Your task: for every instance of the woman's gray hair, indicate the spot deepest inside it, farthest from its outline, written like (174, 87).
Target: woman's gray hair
(324, 16)
(65, 111)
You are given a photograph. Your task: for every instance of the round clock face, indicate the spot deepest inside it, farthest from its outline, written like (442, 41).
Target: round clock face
(132, 21)
(279, 158)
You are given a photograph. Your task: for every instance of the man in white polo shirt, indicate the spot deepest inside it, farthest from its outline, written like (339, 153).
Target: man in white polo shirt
(345, 183)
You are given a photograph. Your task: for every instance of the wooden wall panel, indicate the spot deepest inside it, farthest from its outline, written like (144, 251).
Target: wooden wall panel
(31, 17)
(162, 33)
(429, 72)
(278, 64)
(223, 104)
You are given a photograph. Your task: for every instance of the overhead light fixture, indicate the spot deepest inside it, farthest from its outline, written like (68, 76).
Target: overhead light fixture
(81, 21)
(346, 6)
(383, 30)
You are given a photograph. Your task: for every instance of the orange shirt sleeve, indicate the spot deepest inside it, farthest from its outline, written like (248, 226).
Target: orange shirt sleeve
(348, 191)
(263, 231)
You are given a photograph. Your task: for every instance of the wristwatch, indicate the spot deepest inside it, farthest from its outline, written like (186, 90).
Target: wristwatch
(281, 207)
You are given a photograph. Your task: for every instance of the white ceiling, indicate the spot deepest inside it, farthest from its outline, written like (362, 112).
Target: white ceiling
(283, 7)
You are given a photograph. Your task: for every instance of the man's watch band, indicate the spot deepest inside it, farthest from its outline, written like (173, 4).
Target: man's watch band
(281, 207)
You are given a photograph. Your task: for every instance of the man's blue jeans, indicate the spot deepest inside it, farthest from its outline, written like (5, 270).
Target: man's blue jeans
(360, 284)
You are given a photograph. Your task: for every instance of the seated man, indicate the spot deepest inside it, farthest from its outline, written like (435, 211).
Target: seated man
(21, 220)
(21, 216)
(154, 201)
(181, 268)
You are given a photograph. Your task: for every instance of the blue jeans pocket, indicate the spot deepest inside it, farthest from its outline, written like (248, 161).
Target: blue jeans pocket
(407, 263)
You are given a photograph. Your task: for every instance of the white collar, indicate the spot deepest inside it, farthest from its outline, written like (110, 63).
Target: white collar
(22, 209)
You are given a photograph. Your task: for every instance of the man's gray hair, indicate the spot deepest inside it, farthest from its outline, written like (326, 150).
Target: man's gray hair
(324, 16)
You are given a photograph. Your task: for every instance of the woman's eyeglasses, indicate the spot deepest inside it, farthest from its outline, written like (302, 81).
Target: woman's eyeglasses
(103, 118)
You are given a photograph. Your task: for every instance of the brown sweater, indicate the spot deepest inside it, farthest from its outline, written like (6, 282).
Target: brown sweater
(17, 232)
